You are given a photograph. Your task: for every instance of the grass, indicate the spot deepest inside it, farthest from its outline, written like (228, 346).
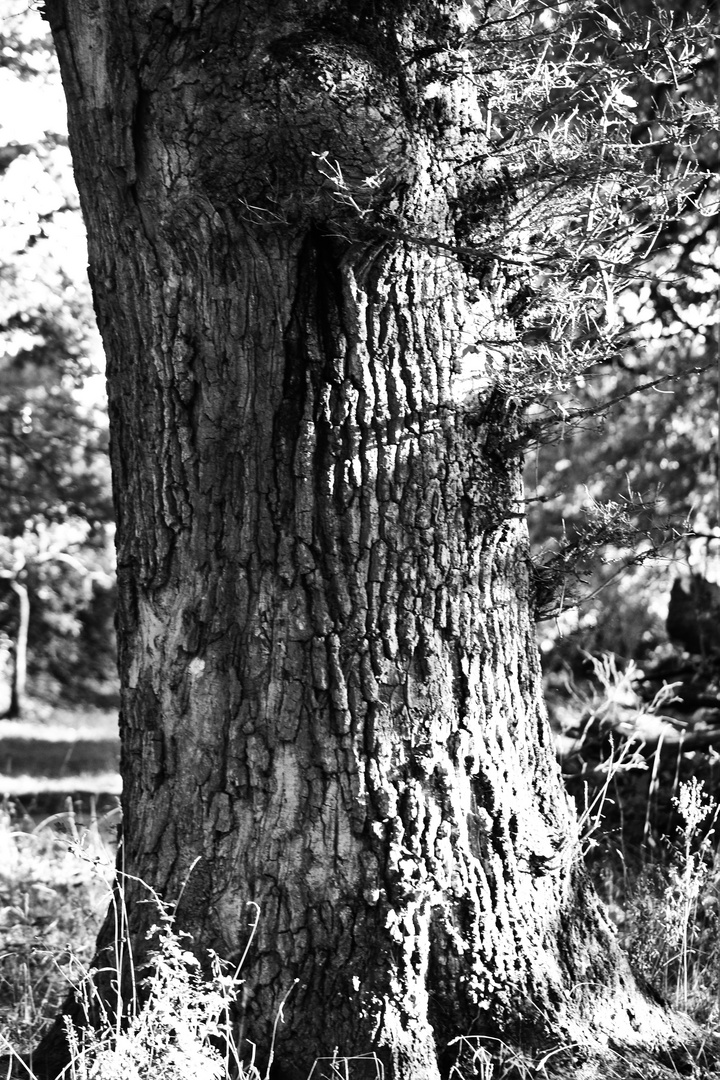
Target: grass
(59, 750)
(51, 905)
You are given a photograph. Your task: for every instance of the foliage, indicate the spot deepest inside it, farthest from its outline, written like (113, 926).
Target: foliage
(654, 451)
(55, 503)
(69, 570)
(579, 192)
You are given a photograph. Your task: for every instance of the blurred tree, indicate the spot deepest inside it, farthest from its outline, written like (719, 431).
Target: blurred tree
(55, 501)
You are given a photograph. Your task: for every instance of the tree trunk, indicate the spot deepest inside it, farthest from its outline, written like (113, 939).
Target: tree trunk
(19, 672)
(331, 691)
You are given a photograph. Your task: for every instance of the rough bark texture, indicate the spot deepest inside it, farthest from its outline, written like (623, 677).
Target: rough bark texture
(331, 691)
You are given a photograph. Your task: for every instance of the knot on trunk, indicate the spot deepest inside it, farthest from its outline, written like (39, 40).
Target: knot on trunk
(321, 127)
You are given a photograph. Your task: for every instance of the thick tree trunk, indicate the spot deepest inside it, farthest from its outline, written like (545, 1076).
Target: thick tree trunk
(331, 692)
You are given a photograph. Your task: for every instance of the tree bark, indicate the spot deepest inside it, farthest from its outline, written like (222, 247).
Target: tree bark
(330, 686)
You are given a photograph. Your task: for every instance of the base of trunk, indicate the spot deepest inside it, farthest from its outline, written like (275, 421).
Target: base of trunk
(674, 1047)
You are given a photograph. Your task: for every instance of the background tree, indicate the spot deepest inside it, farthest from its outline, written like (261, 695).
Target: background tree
(55, 502)
(336, 249)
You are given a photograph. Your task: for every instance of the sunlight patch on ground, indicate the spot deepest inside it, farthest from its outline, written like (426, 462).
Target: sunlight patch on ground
(108, 783)
(58, 732)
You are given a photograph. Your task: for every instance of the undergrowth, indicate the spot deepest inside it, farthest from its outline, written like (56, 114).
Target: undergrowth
(648, 824)
(671, 928)
(55, 887)
(180, 1031)
(54, 890)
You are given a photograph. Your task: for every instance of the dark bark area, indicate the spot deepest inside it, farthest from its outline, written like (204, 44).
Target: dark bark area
(331, 692)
